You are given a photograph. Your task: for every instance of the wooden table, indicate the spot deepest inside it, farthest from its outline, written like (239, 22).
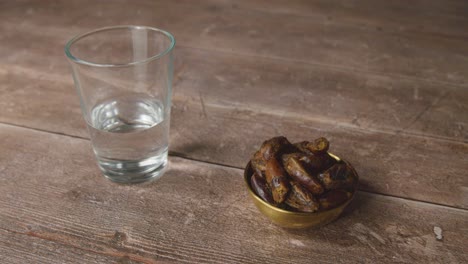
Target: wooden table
(385, 81)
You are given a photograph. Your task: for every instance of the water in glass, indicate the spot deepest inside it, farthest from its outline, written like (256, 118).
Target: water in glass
(130, 136)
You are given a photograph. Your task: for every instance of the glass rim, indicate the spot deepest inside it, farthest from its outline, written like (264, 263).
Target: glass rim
(150, 58)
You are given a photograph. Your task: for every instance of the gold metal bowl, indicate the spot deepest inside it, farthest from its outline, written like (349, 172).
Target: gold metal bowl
(290, 219)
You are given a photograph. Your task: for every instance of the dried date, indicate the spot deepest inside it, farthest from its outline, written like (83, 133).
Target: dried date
(277, 179)
(301, 200)
(339, 176)
(318, 160)
(318, 146)
(271, 148)
(295, 164)
(261, 188)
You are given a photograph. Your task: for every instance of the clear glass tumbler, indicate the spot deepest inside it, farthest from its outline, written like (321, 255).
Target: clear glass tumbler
(123, 76)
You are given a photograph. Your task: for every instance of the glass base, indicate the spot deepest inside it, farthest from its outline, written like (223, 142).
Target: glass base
(133, 171)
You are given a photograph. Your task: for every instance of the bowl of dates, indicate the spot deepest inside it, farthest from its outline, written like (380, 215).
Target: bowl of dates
(300, 185)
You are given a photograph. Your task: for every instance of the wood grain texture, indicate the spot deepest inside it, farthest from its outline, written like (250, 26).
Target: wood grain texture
(394, 164)
(447, 18)
(333, 96)
(196, 213)
(29, 248)
(340, 98)
(384, 81)
(266, 85)
(227, 132)
(223, 27)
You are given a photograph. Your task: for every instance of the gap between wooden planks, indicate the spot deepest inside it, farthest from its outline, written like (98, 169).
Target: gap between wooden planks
(396, 164)
(70, 124)
(432, 107)
(189, 156)
(197, 212)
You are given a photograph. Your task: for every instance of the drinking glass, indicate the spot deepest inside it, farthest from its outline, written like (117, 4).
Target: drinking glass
(123, 77)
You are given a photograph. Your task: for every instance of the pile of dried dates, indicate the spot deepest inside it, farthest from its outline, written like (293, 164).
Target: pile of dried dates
(301, 177)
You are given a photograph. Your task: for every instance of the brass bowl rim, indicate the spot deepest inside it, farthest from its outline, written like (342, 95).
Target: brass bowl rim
(252, 193)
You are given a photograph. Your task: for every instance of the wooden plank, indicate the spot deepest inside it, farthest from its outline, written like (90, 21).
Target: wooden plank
(446, 18)
(62, 114)
(27, 248)
(450, 113)
(197, 213)
(333, 96)
(395, 164)
(35, 100)
(433, 170)
(291, 37)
